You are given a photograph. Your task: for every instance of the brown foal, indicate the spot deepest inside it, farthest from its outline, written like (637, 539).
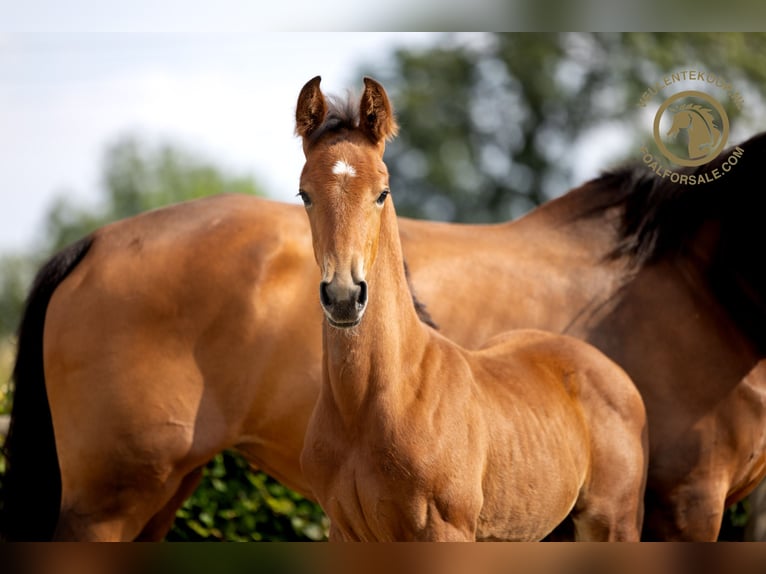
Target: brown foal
(416, 438)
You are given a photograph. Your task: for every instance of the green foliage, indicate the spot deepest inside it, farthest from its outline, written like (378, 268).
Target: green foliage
(735, 521)
(236, 504)
(7, 351)
(16, 272)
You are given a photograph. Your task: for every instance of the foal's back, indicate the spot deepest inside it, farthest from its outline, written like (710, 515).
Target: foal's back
(573, 439)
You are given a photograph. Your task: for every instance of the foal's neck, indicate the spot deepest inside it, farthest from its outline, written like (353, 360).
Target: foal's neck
(366, 362)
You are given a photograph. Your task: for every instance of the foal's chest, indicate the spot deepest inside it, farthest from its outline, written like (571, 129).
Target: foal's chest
(381, 492)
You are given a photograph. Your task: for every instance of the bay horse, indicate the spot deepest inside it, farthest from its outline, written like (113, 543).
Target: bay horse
(153, 343)
(416, 438)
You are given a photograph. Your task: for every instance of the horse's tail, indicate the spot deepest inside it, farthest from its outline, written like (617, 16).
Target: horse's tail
(30, 493)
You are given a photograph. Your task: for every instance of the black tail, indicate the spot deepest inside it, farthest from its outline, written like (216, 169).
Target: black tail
(31, 488)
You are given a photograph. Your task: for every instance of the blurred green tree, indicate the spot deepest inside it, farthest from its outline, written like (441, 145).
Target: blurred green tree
(138, 177)
(494, 125)
(16, 272)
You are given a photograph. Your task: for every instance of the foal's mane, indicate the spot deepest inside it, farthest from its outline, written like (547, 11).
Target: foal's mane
(660, 219)
(342, 114)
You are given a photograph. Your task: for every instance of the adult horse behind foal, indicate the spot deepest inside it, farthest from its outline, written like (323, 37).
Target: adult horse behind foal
(167, 337)
(664, 278)
(416, 438)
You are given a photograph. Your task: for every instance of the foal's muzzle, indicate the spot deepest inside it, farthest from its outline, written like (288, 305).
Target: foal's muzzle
(343, 305)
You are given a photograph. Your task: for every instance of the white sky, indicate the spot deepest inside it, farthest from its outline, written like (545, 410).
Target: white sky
(230, 97)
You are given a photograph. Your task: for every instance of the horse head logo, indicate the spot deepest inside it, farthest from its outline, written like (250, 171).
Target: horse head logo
(702, 134)
(703, 119)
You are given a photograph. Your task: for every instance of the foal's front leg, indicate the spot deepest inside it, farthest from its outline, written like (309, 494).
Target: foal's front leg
(460, 527)
(336, 534)
(436, 530)
(446, 532)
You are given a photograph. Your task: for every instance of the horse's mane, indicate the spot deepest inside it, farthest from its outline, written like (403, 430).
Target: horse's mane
(342, 114)
(661, 219)
(420, 308)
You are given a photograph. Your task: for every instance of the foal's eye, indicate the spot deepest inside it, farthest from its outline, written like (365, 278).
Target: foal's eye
(382, 197)
(305, 198)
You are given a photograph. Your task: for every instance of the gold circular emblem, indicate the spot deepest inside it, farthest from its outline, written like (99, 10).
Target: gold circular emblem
(706, 125)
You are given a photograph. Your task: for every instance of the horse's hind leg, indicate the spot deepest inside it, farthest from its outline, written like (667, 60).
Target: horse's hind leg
(611, 507)
(691, 511)
(101, 509)
(611, 503)
(162, 522)
(115, 480)
(602, 519)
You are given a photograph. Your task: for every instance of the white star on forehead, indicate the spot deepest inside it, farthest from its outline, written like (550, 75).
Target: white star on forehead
(342, 167)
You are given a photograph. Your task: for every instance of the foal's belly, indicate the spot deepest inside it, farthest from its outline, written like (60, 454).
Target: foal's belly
(528, 512)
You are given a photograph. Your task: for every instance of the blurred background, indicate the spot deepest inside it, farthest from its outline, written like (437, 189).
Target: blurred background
(97, 127)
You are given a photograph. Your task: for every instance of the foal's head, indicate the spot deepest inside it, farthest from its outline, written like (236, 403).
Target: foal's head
(344, 186)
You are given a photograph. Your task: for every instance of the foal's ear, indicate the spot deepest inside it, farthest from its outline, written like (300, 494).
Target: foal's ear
(376, 117)
(311, 109)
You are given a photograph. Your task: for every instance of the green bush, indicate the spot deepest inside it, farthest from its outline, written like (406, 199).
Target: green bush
(236, 504)
(7, 352)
